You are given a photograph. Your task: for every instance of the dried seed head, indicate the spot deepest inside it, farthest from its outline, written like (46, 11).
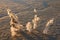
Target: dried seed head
(29, 26)
(50, 22)
(35, 10)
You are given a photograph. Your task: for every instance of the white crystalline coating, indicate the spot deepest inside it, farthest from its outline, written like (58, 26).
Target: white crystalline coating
(50, 22)
(29, 26)
(35, 21)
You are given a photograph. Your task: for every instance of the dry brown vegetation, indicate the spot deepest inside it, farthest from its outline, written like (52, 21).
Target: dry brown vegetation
(25, 14)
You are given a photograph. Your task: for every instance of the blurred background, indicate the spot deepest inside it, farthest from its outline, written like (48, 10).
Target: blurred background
(46, 9)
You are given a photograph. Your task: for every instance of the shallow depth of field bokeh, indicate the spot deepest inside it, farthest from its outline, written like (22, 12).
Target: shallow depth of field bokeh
(46, 9)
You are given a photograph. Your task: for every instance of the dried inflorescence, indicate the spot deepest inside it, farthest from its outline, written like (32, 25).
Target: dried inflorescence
(34, 24)
(35, 21)
(16, 26)
(14, 23)
(50, 22)
(29, 26)
(35, 10)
